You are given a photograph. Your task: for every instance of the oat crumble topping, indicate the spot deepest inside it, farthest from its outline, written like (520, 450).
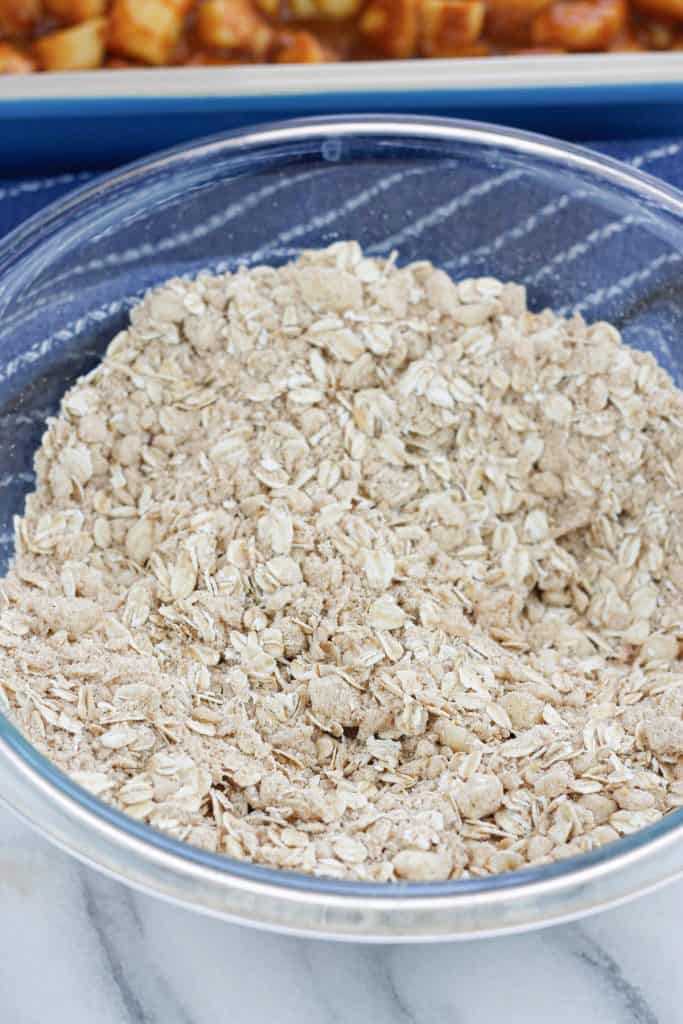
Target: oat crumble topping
(350, 569)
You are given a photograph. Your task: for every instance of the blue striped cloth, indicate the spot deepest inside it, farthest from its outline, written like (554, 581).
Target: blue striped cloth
(21, 198)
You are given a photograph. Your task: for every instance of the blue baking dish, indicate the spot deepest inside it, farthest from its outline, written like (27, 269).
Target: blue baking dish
(52, 122)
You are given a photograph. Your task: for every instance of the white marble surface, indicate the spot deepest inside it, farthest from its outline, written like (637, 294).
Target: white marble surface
(76, 948)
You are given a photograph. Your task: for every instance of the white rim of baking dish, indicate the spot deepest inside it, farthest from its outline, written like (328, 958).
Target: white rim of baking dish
(464, 74)
(286, 901)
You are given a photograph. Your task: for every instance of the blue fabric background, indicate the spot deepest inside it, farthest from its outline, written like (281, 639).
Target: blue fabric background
(21, 198)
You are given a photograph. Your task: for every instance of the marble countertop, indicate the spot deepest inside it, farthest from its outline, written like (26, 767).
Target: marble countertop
(77, 948)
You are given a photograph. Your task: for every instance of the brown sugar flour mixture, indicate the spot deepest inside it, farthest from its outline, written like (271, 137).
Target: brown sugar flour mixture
(358, 571)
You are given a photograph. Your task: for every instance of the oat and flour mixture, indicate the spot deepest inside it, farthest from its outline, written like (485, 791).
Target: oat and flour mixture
(354, 570)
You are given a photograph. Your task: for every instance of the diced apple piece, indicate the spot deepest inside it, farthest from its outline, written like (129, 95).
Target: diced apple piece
(13, 61)
(446, 26)
(391, 26)
(303, 48)
(580, 25)
(233, 25)
(18, 16)
(75, 10)
(145, 30)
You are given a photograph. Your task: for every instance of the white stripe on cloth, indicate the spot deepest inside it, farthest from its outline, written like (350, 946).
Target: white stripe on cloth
(41, 348)
(39, 184)
(660, 153)
(440, 213)
(579, 249)
(15, 478)
(194, 234)
(530, 223)
(612, 291)
(20, 419)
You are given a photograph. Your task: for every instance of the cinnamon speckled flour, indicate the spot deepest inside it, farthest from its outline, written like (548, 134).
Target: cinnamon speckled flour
(354, 570)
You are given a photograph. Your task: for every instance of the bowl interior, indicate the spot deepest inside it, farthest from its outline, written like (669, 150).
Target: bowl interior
(582, 235)
(473, 205)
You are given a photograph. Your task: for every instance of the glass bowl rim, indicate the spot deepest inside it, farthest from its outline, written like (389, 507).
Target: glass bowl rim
(154, 845)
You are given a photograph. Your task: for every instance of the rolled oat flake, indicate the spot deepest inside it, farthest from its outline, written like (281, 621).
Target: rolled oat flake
(351, 569)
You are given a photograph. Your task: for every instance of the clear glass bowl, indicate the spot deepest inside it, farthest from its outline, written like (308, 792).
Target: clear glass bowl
(581, 231)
